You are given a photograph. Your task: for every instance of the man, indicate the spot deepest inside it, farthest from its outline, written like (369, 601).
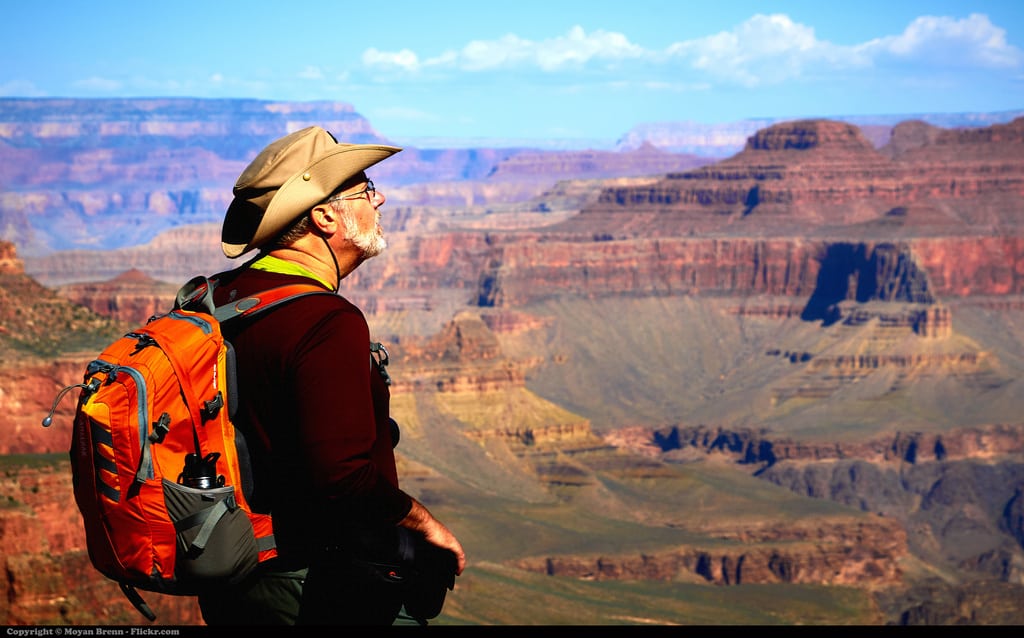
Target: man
(313, 403)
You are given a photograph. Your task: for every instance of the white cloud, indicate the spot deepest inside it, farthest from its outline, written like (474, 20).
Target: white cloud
(404, 59)
(404, 113)
(763, 50)
(672, 87)
(576, 48)
(971, 41)
(572, 50)
(99, 84)
(215, 83)
(311, 73)
(21, 88)
(480, 55)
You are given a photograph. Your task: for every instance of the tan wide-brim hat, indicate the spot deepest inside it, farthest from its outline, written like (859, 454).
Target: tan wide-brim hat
(288, 178)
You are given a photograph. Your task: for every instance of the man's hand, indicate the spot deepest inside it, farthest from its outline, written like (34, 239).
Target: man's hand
(419, 519)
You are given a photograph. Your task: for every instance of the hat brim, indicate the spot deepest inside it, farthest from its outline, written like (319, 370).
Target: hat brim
(246, 226)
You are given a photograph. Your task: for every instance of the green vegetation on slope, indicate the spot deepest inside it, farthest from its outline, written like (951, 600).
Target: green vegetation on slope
(490, 594)
(698, 361)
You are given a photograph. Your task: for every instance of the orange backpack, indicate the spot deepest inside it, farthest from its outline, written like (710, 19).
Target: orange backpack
(155, 458)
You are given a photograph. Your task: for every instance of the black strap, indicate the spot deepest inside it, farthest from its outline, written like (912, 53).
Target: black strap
(137, 601)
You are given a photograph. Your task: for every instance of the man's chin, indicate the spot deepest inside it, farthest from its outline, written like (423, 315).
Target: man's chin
(375, 249)
(369, 245)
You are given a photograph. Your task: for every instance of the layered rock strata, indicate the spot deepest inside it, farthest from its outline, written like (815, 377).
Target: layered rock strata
(820, 176)
(853, 554)
(822, 272)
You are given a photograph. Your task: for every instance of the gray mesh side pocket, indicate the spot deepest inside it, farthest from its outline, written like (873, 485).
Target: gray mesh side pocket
(216, 541)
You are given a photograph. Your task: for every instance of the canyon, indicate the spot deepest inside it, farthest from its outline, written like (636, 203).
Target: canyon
(799, 365)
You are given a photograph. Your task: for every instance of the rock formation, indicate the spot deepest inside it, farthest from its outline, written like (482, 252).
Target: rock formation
(830, 279)
(9, 262)
(129, 298)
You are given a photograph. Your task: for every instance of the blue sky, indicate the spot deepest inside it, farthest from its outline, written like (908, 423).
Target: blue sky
(532, 70)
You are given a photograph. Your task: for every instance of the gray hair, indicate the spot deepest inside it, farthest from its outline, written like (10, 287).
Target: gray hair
(303, 224)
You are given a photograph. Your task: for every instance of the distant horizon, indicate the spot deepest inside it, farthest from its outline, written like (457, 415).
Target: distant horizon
(937, 118)
(568, 70)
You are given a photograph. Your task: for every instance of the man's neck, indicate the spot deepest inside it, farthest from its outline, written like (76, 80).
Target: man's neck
(311, 253)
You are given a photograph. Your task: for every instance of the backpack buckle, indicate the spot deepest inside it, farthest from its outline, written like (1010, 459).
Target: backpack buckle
(160, 428)
(212, 407)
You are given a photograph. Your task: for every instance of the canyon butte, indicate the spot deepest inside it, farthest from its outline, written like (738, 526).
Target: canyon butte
(644, 387)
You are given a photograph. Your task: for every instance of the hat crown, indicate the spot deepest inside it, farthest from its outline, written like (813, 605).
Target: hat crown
(284, 158)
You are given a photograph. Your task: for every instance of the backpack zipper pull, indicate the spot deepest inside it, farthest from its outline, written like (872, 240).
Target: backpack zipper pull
(87, 388)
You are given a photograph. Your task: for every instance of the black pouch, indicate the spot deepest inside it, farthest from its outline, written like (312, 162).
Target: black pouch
(434, 576)
(423, 571)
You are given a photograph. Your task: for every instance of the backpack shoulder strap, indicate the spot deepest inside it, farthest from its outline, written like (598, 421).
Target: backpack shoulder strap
(198, 290)
(265, 300)
(197, 294)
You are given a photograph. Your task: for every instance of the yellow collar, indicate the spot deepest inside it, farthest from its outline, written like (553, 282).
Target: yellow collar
(269, 263)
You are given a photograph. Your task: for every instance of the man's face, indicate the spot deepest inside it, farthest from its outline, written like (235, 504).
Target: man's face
(361, 215)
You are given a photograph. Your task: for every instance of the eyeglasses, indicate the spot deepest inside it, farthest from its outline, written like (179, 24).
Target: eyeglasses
(369, 191)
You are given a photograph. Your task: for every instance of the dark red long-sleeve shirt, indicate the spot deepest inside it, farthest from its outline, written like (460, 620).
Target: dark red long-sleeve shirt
(315, 413)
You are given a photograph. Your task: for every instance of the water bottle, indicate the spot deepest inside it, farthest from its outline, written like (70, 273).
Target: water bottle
(201, 472)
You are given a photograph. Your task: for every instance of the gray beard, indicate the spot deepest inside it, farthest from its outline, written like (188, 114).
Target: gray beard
(371, 242)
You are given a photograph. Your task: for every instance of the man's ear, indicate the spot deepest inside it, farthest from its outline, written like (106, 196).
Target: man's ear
(325, 219)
